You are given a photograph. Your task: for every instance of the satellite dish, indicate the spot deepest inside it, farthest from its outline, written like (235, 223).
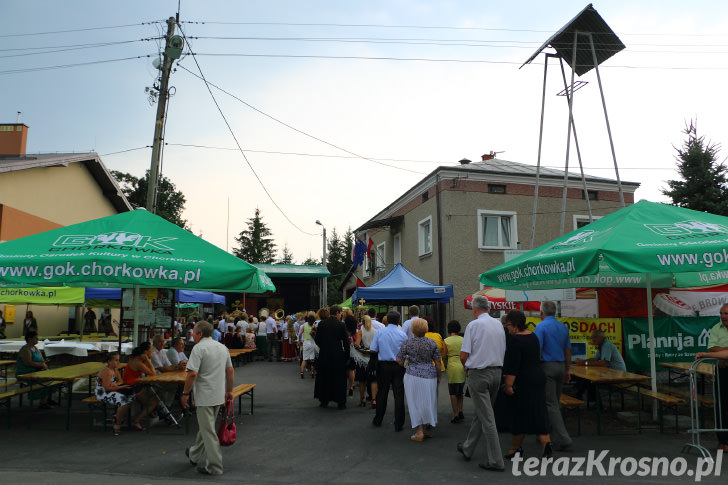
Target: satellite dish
(157, 63)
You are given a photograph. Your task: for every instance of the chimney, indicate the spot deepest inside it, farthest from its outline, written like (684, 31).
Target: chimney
(488, 156)
(13, 138)
(464, 161)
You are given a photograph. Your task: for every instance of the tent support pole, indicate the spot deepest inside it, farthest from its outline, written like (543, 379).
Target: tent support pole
(83, 317)
(651, 346)
(135, 332)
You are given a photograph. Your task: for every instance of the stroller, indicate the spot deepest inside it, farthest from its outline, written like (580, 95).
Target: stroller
(163, 411)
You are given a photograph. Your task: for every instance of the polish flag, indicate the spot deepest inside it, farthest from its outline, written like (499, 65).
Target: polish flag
(369, 244)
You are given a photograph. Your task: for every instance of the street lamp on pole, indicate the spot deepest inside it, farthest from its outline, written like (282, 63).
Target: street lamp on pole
(323, 263)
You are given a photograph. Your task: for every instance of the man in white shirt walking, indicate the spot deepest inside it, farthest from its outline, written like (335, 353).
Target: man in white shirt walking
(484, 346)
(210, 376)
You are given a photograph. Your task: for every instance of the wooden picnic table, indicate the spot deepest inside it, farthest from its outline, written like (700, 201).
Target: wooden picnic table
(176, 377)
(703, 368)
(236, 354)
(67, 374)
(682, 369)
(599, 375)
(4, 364)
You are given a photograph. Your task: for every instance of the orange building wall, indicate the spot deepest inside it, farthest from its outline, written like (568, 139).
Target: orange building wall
(15, 223)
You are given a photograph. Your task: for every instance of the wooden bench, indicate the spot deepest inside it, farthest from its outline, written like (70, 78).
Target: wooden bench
(572, 404)
(706, 402)
(94, 403)
(7, 396)
(244, 389)
(664, 400)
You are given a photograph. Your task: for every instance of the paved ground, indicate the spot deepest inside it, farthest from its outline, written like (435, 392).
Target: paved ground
(290, 439)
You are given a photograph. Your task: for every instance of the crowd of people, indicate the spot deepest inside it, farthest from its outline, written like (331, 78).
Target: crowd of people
(513, 375)
(492, 360)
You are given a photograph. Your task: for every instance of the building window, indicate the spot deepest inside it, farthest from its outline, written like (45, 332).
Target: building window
(381, 259)
(593, 194)
(397, 248)
(425, 196)
(424, 236)
(497, 230)
(581, 221)
(496, 189)
(368, 266)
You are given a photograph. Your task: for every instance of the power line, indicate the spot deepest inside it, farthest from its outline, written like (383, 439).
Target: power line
(127, 150)
(511, 44)
(66, 49)
(433, 27)
(466, 61)
(232, 133)
(317, 155)
(80, 30)
(321, 155)
(64, 66)
(296, 129)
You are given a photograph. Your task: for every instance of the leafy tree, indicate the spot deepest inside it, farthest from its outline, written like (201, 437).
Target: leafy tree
(170, 201)
(256, 244)
(286, 256)
(312, 262)
(703, 186)
(338, 263)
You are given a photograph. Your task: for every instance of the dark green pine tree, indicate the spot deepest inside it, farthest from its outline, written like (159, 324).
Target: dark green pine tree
(703, 185)
(256, 245)
(286, 256)
(348, 244)
(336, 264)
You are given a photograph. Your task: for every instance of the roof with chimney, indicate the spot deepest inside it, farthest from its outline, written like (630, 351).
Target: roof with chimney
(497, 171)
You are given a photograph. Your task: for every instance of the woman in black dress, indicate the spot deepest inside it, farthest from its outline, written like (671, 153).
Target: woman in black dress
(525, 383)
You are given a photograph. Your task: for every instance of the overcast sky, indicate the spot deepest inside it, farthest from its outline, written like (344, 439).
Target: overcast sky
(307, 86)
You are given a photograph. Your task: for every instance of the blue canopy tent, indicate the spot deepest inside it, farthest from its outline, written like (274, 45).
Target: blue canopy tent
(182, 296)
(400, 287)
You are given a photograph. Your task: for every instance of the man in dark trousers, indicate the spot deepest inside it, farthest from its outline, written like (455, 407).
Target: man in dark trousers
(386, 344)
(333, 342)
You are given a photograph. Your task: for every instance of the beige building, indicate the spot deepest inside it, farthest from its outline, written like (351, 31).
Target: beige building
(458, 221)
(45, 191)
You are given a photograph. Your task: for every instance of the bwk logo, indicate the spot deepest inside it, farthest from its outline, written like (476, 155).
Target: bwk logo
(687, 229)
(576, 240)
(115, 239)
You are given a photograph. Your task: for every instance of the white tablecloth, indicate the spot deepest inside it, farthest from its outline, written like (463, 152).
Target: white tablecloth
(15, 345)
(67, 347)
(74, 348)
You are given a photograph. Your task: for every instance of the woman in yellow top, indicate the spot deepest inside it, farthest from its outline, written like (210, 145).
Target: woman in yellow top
(433, 335)
(455, 370)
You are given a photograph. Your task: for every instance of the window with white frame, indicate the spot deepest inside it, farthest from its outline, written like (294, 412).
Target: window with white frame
(381, 259)
(582, 220)
(424, 236)
(368, 266)
(497, 230)
(397, 248)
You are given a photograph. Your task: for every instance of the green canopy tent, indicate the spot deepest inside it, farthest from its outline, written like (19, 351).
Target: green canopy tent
(645, 245)
(134, 249)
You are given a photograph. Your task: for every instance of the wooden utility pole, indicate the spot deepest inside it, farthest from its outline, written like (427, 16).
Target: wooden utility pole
(166, 68)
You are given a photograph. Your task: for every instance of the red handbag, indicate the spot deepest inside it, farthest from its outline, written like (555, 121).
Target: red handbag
(227, 432)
